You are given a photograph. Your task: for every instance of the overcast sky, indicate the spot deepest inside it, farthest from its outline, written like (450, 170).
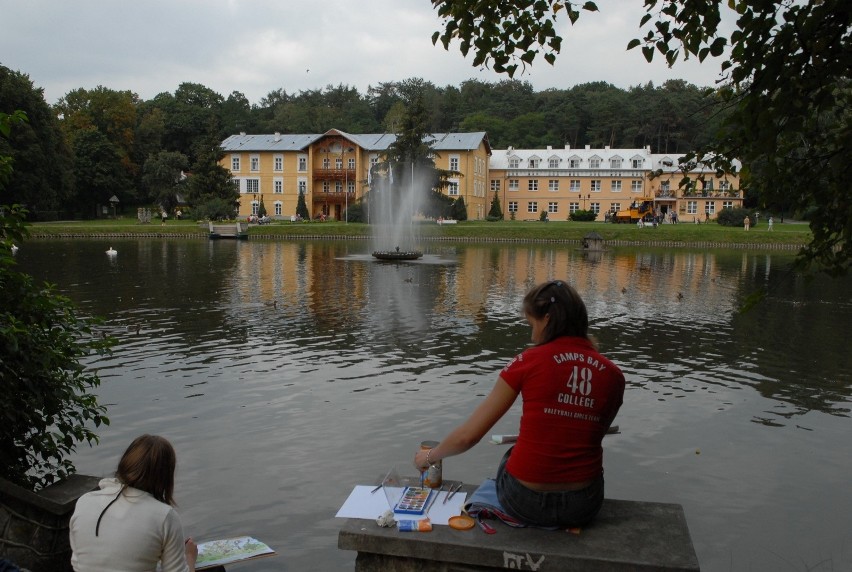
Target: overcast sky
(257, 46)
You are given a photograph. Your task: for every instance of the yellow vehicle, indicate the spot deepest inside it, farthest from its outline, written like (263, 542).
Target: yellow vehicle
(640, 209)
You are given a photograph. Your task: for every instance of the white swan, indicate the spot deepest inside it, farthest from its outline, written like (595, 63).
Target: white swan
(15, 249)
(111, 251)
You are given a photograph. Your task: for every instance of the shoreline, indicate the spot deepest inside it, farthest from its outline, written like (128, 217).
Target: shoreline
(462, 239)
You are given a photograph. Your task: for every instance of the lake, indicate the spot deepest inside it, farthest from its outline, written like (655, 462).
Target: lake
(285, 373)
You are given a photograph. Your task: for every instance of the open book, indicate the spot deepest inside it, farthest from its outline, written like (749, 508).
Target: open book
(230, 550)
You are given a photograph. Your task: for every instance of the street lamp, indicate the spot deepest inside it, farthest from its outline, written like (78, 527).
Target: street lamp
(585, 198)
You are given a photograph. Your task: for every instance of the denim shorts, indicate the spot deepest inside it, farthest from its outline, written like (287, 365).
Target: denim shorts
(562, 509)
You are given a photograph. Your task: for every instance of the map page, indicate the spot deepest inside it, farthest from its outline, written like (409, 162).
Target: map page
(229, 550)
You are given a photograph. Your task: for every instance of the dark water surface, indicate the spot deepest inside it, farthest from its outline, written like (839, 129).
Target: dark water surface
(285, 373)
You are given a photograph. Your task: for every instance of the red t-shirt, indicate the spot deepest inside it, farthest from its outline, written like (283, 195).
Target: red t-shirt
(571, 394)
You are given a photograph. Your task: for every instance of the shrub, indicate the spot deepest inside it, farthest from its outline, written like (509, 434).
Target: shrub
(734, 217)
(583, 216)
(47, 406)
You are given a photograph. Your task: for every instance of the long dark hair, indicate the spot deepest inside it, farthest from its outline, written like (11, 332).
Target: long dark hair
(148, 464)
(566, 310)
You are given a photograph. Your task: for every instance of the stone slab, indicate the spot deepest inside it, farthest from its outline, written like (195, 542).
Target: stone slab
(627, 535)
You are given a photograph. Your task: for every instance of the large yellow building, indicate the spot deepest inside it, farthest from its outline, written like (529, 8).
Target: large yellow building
(331, 170)
(560, 181)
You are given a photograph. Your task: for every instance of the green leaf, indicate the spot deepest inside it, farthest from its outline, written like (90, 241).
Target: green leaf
(633, 43)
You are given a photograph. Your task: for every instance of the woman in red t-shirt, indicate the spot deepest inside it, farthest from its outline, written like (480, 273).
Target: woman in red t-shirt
(553, 476)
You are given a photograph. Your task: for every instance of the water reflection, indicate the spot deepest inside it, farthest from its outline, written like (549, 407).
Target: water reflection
(285, 372)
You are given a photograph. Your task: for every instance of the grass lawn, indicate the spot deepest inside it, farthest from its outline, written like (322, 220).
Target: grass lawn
(783, 233)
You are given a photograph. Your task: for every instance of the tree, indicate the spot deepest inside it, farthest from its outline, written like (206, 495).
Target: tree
(43, 178)
(99, 172)
(163, 176)
(47, 406)
(459, 209)
(210, 190)
(786, 83)
(495, 213)
(302, 207)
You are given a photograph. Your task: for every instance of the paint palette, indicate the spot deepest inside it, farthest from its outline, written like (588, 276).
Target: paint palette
(415, 500)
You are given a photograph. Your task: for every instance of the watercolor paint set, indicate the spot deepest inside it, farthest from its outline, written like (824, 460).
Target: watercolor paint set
(415, 500)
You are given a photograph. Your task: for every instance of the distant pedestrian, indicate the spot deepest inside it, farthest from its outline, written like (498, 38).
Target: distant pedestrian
(770, 222)
(746, 223)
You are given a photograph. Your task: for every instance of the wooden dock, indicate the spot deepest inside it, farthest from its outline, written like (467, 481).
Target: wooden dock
(235, 230)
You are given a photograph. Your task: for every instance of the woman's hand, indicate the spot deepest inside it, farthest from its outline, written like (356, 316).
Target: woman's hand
(191, 550)
(420, 459)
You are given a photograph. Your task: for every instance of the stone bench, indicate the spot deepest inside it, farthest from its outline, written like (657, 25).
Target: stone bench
(627, 535)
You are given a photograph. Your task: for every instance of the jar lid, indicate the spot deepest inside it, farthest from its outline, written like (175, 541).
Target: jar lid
(461, 522)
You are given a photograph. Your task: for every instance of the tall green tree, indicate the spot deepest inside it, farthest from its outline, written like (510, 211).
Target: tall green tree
(786, 67)
(99, 173)
(210, 190)
(43, 178)
(163, 176)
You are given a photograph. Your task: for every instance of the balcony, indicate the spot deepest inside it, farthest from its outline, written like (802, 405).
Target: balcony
(334, 174)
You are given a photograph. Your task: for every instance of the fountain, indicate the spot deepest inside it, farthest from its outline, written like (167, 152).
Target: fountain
(392, 207)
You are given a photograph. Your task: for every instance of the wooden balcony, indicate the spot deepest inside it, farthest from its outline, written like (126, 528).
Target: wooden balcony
(334, 174)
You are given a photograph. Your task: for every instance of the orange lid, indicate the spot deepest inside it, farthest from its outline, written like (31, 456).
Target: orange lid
(461, 522)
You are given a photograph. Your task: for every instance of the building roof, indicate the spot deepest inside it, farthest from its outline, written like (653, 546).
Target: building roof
(667, 162)
(367, 141)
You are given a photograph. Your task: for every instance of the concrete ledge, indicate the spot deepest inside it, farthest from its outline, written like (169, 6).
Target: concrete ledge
(627, 535)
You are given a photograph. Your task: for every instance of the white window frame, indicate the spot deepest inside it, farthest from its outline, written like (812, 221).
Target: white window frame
(235, 163)
(453, 188)
(278, 208)
(595, 208)
(278, 163)
(532, 207)
(302, 161)
(495, 185)
(636, 186)
(691, 207)
(455, 161)
(254, 163)
(595, 185)
(553, 163)
(553, 185)
(595, 163)
(514, 185)
(710, 207)
(252, 186)
(532, 185)
(615, 163)
(573, 207)
(575, 185)
(514, 163)
(513, 206)
(278, 185)
(303, 185)
(553, 207)
(615, 186)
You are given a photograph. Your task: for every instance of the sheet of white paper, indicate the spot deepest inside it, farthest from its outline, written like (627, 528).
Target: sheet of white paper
(364, 504)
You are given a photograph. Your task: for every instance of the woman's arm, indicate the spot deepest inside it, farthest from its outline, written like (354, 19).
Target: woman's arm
(474, 428)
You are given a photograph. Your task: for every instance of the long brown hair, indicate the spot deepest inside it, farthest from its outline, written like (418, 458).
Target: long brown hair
(566, 310)
(148, 464)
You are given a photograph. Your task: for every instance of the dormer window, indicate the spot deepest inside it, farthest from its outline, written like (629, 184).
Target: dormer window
(514, 163)
(615, 163)
(533, 162)
(595, 163)
(574, 163)
(553, 163)
(637, 163)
